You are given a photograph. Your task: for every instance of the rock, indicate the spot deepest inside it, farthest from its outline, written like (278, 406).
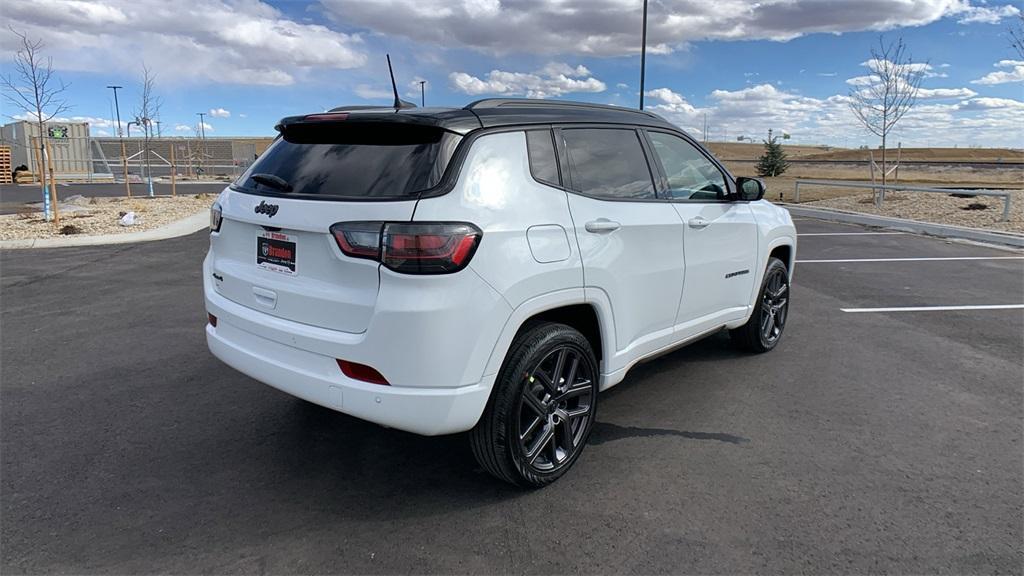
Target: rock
(128, 219)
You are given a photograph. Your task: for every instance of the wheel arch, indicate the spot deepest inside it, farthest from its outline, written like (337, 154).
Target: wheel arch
(784, 252)
(568, 307)
(781, 247)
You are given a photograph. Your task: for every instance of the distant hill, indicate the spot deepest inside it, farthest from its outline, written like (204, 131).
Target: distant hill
(750, 152)
(929, 155)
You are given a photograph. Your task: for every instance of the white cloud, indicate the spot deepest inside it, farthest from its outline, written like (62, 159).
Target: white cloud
(219, 113)
(93, 121)
(222, 41)
(412, 92)
(750, 112)
(368, 92)
(1014, 73)
(945, 93)
(609, 27)
(921, 69)
(987, 14)
(992, 104)
(193, 127)
(925, 69)
(555, 79)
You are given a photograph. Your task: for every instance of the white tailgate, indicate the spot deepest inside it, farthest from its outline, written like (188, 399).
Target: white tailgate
(326, 288)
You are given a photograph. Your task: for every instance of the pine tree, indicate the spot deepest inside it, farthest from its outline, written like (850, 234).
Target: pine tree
(773, 161)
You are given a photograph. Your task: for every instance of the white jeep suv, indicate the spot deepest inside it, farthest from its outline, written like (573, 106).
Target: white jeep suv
(486, 269)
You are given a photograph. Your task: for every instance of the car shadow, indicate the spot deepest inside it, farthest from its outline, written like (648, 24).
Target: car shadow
(350, 468)
(604, 432)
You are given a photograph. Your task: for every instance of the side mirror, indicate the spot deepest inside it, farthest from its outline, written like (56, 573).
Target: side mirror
(749, 189)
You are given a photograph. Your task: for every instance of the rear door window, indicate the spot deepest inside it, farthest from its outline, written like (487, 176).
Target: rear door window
(608, 163)
(352, 161)
(541, 149)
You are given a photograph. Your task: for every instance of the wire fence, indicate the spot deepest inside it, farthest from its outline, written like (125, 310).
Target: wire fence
(112, 159)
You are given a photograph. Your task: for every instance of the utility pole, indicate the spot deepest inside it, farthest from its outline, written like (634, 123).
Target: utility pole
(423, 94)
(120, 136)
(202, 137)
(643, 56)
(705, 127)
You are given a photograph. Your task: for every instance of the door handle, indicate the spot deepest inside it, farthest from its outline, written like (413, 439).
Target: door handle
(602, 226)
(698, 223)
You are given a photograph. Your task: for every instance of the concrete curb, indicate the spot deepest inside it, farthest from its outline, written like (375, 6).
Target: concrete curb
(914, 226)
(193, 223)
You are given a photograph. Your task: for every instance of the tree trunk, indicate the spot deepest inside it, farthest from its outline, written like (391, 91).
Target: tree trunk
(53, 185)
(881, 193)
(41, 169)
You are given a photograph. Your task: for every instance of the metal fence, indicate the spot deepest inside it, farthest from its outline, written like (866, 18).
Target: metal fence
(880, 190)
(109, 159)
(192, 158)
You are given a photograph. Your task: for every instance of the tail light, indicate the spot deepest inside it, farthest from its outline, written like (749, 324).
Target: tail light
(410, 248)
(216, 217)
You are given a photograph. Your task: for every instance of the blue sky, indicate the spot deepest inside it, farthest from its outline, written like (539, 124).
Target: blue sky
(747, 67)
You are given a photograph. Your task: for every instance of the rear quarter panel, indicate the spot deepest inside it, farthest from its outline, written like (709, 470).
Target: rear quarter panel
(527, 253)
(496, 192)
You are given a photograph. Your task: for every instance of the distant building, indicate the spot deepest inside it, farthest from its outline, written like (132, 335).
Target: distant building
(69, 143)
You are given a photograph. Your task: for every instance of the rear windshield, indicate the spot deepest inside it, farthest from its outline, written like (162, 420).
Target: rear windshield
(352, 161)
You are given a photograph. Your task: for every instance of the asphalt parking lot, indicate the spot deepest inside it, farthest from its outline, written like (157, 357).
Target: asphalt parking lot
(869, 441)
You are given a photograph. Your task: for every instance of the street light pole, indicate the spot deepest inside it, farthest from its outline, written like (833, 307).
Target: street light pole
(643, 56)
(120, 136)
(202, 136)
(423, 97)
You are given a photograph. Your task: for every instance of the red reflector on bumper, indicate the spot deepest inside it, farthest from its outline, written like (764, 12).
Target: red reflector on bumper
(361, 372)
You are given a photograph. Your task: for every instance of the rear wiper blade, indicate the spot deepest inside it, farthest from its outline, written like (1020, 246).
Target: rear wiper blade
(272, 181)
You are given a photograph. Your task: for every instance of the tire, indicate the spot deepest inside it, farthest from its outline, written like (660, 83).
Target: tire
(541, 411)
(763, 330)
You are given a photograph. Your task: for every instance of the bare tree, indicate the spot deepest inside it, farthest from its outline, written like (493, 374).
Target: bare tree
(888, 92)
(34, 90)
(1017, 35)
(146, 114)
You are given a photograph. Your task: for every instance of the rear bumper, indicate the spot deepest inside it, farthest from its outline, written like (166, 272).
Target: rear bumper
(317, 378)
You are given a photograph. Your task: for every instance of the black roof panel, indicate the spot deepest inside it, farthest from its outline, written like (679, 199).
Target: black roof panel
(493, 112)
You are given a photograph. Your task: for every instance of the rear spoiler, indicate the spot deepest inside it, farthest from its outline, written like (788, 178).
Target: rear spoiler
(457, 121)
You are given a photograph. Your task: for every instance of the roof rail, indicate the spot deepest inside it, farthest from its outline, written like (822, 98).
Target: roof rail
(542, 103)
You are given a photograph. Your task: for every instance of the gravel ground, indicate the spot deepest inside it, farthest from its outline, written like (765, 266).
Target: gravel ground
(95, 216)
(938, 208)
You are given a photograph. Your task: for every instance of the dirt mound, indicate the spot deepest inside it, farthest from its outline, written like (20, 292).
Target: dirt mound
(928, 155)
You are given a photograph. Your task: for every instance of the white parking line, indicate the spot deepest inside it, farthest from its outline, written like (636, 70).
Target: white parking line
(850, 233)
(945, 259)
(938, 308)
